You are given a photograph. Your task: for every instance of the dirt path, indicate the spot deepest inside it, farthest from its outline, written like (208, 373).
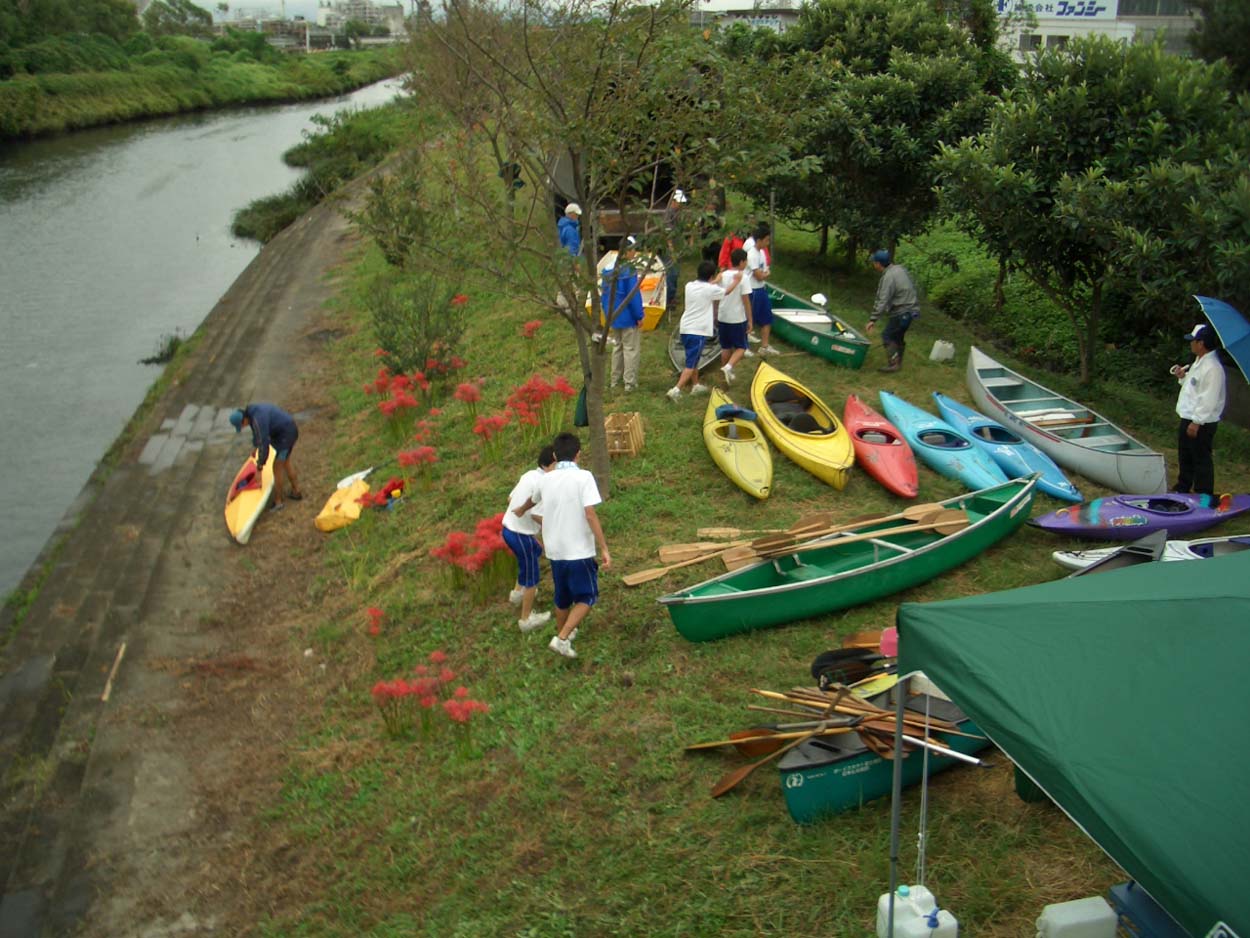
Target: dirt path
(130, 816)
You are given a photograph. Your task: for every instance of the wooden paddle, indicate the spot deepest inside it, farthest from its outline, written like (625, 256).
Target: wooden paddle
(730, 781)
(675, 553)
(869, 639)
(654, 573)
(736, 557)
(915, 513)
(814, 519)
(744, 740)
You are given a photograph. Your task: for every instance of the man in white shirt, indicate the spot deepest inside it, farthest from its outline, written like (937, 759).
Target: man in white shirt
(1199, 406)
(566, 499)
(698, 324)
(734, 316)
(758, 273)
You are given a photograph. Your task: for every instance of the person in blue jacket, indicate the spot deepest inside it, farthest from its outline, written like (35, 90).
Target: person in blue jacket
(622, 306)
(272, 426)
(570, 228)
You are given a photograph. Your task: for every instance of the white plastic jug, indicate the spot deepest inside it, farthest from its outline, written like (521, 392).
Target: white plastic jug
(915, 915)
(943, 351)
(1080, 918)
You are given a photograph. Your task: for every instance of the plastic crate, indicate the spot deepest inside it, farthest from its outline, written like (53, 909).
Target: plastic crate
(624, 433)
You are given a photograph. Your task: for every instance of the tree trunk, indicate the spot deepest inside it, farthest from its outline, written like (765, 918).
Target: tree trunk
(998, 286)
(1091, 333)
(824, 240)
(852, 249)
(595, 363)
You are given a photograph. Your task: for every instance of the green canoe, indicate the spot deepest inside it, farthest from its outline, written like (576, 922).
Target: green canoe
(809, 327)
(817, 581)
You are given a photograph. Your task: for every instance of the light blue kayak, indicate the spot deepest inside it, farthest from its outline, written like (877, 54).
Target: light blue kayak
(940, 446)
(1016, 456)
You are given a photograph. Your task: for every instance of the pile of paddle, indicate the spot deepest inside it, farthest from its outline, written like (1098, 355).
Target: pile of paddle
(826, 713)
(810, 532)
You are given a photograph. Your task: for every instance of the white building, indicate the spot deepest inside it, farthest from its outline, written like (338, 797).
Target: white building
(774, 14)
(334, 13)
(1057, 22)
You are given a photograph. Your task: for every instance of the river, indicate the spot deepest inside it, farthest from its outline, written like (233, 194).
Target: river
(115, 238)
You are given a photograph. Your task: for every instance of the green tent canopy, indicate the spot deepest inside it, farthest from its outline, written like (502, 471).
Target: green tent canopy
(1126, 697)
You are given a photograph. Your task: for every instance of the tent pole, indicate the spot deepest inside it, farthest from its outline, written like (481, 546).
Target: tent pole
(896, 796)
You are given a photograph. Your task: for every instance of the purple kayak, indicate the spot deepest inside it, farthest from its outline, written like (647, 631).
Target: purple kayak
(1126, 517)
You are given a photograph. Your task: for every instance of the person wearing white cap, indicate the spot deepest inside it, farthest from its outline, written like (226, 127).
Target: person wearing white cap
(1199, 406)
(570, 228)
(672, 271)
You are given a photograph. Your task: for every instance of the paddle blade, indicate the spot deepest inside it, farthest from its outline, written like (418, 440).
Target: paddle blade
(674, 553)
(723, 533)
(644, 576)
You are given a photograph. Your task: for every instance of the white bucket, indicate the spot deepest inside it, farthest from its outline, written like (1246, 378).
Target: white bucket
(1080, 918)
(943, 351)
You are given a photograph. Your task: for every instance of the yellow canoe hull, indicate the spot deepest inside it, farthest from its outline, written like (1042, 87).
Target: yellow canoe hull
(738, 448)
(802, 426)
(248, 497)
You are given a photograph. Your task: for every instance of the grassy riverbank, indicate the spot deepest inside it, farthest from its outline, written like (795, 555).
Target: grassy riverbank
(572, 810)
(186, 76)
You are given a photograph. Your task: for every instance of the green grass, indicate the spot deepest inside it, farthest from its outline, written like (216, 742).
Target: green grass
(577, 812)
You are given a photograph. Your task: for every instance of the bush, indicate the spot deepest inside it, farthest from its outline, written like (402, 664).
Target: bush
(416, 319)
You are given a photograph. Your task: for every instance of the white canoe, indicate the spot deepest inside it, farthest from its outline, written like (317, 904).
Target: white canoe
(1074, 436)
(1203, 548)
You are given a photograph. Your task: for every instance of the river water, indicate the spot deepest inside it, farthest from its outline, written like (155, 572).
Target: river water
(113, 239)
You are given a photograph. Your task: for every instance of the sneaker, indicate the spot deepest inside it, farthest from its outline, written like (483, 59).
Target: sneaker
(673, 394)
(747, 353)
(699, 389)
(277, 506)
(769, 350)
(534, 621)
(562, 647)
(753, 338)
(573, 635)
(728, 373)
(516, 596)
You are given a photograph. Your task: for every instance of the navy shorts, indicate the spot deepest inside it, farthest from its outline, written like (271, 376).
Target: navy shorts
(761, 307)
(527, 551)
(575, 581)
(693, 344)
(733, 335)
(282, 447)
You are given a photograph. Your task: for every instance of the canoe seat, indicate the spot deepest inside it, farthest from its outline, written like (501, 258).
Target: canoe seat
(1002, 383)
(805, 572)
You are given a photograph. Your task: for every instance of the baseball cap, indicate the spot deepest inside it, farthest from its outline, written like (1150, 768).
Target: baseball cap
(1200, 331)
(880, 257)
(572, 209)
(679, 196)
(236, 420)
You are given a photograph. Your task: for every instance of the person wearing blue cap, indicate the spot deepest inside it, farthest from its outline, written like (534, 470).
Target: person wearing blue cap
(272, 426)
(897, 299)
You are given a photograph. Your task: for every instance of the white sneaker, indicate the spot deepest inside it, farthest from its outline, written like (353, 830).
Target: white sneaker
(534, 621)
(699, 389)
(753, 338)
(728, 373)
(747, 353)
(573, 635)
(562, 647)
(769, 350)
(516, 596)
(673, 394)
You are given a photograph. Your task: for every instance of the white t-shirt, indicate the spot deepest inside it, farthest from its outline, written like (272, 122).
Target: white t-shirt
(698, 318)
(526, 488)
(732, 309)
(563, 496)
(757, 259)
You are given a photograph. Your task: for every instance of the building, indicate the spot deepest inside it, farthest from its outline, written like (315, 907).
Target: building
(1057, 22)
(777, 15)
(332, 14)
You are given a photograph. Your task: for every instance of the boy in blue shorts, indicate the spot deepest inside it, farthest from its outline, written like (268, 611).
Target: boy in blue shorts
(566, 498)
(698, 324)
(272, 426)
(758, 273)
(521, 536)
(734, 316)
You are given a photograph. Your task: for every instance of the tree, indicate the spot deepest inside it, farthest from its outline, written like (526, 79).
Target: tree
(1091, 174)
(1220, 31)
(880, 85)
(354, 31)
(612, 92)
(177, 18)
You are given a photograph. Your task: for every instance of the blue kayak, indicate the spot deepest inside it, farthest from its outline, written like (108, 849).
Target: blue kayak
(1017, 457)
(940, 446)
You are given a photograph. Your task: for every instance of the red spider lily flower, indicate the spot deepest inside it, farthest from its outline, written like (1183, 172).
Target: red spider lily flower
(368, 388)
(428, 702)
(379, 353)
(375, 614)
(438, 657)
(388, 407)
(563, 388)
(461, 691)
(375, 630)
(455, 547)
(421, 670)
(436, 411)
(468, 393)
(400, 382)
(447, 675)
(422, 455)
(459, 299)
(457, 711)
(530, 328)
(457, 363)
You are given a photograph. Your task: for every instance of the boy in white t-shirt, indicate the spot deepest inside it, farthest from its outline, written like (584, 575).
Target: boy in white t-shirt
(698, 324)
(734, 316)
(566, 498)
(758, 273)
(521, 536)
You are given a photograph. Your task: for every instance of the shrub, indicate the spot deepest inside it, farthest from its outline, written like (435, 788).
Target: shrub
(415, 320)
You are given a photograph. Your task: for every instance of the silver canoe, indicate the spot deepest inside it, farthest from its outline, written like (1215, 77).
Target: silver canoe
(1074, 436)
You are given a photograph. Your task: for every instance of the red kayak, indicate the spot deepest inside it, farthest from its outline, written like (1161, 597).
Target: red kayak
(880, 449)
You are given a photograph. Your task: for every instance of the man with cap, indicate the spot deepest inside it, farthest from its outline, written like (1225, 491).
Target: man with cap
(672, 271)
(272, 426)
(897, 299)
(1199, 406)
(570, 228)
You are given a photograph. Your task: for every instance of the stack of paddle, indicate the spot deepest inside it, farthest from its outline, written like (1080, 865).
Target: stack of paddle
(827, 713)
(808, 533)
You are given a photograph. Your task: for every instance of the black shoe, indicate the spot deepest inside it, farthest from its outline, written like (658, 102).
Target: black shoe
(295, 496)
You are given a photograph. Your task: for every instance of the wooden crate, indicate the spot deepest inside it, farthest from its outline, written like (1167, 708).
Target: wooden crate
(624, 434)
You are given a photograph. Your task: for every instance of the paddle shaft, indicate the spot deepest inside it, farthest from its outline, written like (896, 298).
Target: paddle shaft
(735, 560)
(646, 576)
(911, 513)
(674, 553)
(731, 781)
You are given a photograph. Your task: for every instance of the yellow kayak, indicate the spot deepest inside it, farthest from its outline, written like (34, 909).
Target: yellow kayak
(249, 496)
(802, 426)
(738, 448)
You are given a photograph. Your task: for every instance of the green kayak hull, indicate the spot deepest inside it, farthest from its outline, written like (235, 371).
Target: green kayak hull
(815, 331)
(823, 580)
